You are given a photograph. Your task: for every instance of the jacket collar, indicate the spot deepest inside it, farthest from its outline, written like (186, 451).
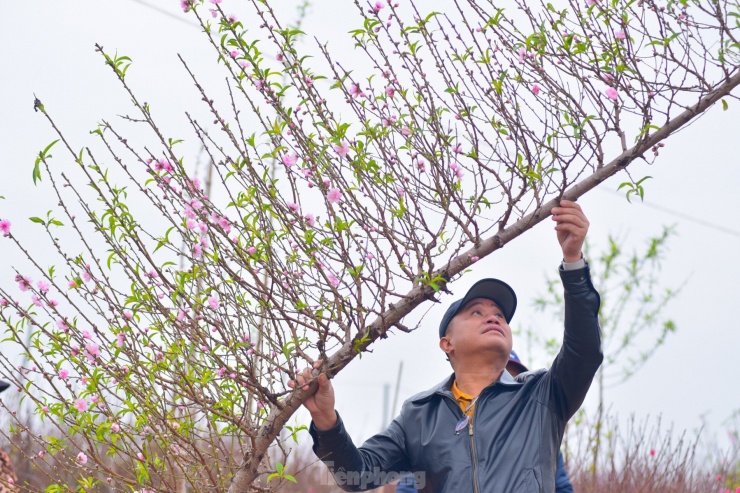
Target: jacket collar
(443, 387)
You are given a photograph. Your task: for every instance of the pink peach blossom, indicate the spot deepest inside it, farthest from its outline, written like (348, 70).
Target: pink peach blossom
(289, 160)
(93, 349)
(355, 90)
(333, 280)
(342, 148)
(334, 195)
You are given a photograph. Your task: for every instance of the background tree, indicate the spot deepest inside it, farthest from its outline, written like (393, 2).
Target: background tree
(467, 130)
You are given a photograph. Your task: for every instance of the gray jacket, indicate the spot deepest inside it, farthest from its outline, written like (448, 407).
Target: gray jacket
(518, 423)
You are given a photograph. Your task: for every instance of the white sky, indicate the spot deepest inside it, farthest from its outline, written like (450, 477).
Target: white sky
(48, 48)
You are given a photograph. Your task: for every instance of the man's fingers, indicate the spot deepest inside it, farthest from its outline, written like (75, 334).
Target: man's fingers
(305, 377)
(578, 221)
(569, 203)
(324, 383)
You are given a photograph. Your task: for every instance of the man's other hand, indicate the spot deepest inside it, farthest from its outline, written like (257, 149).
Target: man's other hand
(321, 403)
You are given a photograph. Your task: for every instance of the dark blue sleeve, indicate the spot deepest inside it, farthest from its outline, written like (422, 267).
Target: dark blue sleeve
(581, 354)
(407, 484)
(366, 467)
(562, 481)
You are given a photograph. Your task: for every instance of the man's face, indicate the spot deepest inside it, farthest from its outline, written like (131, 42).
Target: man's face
(479, 327)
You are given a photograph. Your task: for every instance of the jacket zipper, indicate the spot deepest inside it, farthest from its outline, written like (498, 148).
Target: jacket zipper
(475, 460)
(472, 447)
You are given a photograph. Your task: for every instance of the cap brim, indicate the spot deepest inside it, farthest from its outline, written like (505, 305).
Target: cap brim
(3, 385)
(521, 367)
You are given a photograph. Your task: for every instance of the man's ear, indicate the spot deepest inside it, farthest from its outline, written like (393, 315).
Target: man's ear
(446, 346)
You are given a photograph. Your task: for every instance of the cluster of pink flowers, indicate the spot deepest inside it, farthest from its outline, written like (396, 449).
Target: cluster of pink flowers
(522, 54)
(24, 283)
(5, 227)
(222, 221)
(457, 169)
(163, 164)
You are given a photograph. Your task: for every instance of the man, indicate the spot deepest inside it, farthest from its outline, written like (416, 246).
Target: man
(481, 430)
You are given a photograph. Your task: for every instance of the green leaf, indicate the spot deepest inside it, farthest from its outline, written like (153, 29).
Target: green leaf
(43, 155)
(725, 106)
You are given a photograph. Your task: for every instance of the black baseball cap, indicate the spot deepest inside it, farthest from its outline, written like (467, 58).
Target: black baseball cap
(3, 385)
(492, 289)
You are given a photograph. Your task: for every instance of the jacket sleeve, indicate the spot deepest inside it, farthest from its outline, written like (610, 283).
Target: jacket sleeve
(378, 461)
(581, 354)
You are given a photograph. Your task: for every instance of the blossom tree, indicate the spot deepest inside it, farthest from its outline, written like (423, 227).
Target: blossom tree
(158, 343)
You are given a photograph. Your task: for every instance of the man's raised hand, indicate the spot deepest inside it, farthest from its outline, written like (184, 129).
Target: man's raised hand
(571, 227)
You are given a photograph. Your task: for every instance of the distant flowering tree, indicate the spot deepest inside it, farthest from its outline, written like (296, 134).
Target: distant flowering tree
(158, 334)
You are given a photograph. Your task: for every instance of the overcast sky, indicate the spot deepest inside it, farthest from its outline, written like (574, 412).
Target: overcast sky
(48, 49)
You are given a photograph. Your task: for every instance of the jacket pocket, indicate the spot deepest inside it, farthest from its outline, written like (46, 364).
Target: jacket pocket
(532, 481)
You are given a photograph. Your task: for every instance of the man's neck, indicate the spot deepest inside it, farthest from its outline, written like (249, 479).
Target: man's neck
(472, 381)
